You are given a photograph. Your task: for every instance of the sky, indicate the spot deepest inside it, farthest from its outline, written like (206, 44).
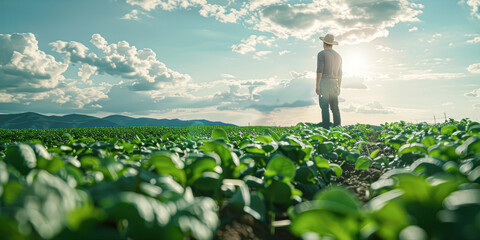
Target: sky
(248, 62)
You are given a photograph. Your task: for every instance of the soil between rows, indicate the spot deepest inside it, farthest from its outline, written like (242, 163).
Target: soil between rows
(243, 226)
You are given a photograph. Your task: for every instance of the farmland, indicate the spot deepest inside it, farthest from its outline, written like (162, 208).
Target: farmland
(394, 181)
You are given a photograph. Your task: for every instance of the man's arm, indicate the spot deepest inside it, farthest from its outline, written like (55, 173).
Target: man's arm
(319, 78)
(320, 66)
(340, 72)
(339, 83)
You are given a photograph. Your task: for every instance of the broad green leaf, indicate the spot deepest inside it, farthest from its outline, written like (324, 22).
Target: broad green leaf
(412, 147)
(363, 162)
(318, 137)
(351, 156)
(254, 182)
(264, 139)
(207, 182)
(46, 202)
(274, 135)
(326, 147)
(257, 207)
(52, 165)
(323, 223)
(219, 133)
(229, 159)
(22, 157)
(448, 130)
(428, 141)
(321, 162)
(167, 163)
(281, 166)
(337, 199)
(254, 148)
(338, 170)
(199, 166)
(278, 192)
(40, 151)
(374, 153)
(471, 145)
(427, 166)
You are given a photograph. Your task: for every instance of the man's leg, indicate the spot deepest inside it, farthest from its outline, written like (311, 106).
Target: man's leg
(333, 100)
(323, 101)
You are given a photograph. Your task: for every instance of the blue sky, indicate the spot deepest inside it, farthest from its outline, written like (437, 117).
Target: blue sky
(242, 62)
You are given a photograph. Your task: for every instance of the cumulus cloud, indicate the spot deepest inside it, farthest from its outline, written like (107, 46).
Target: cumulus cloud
(474, 68)
(85, 71)
(475, 5)
(283, 52)
(221, 13)
(139, 68)
(354, 83)
(369, 108)
(261, 54)
(474, 93)
(435, 37)
(249, 44)
(353, 21)
(134, 15)
(226, 75)
(474, 40)
(25, 68)
(447, 104)
(413, 29)
(428, 74)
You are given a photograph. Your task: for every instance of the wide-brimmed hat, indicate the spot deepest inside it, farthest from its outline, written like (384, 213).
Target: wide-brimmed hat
(329, 39)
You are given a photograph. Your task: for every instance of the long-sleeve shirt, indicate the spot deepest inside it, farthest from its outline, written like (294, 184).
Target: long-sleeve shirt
(329, 63)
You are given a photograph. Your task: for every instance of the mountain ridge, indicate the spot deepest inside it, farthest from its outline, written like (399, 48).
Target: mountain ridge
(39, 121)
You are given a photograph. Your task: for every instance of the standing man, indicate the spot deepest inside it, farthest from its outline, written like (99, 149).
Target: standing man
(329, 78)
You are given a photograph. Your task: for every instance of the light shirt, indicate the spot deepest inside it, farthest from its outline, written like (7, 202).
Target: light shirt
(329, 63)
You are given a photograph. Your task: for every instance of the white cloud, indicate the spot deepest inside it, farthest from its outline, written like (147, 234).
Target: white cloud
(261, 54)
(475, 5)
(256, 4)
(354, 83)
(139, 68)
(428, 74)
(435, 37)
(447, 104)
(7, 98)
(383, 48)
(226, 75)
(249, 44)
(413, 29)
(474, 68)
(369, 108)
(23, 67)
(283, 52)
(474, 93)
(352, 21)
(474, 40)
(134, 15)
(86, 71)
(221, 13)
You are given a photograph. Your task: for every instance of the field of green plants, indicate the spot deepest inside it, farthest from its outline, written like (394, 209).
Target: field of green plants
(394, 181)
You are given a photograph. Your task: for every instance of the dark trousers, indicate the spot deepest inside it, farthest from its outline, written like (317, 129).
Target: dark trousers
(331, 100)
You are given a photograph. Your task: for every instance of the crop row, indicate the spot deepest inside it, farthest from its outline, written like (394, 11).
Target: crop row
(176, 184)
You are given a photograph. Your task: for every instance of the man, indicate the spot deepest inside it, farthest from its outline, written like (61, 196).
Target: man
(329, 78)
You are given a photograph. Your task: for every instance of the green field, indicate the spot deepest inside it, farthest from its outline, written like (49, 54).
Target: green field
(394, 181)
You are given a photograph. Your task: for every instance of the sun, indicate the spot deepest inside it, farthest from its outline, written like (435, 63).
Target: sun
(355, 63)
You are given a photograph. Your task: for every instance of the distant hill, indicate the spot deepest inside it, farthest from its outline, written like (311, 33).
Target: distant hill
(39, 121)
